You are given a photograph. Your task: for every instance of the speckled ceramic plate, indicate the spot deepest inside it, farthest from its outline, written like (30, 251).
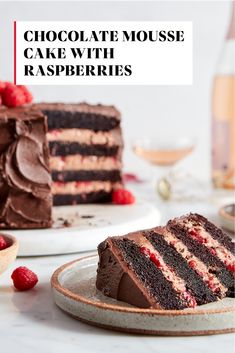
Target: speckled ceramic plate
(83, 227)
(74, 291)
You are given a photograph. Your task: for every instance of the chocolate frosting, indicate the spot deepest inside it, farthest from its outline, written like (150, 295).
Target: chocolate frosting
(114, 278)
(25, 181)
(108, 111)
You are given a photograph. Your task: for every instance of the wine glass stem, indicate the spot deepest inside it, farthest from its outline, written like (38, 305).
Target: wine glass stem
(162, 182)
(162, 172)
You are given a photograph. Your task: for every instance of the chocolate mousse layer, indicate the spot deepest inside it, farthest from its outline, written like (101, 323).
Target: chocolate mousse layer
(25, 180)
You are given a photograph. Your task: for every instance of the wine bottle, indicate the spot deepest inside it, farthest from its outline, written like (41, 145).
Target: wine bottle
(223, 114)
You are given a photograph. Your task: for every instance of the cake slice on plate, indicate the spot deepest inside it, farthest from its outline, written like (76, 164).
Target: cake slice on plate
(25, 179)
(187, 263)
(86, 149)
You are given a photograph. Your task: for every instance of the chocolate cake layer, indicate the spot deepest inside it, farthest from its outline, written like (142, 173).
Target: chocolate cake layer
(150, 276)
(71, 199)
(60, 148)
(25, 180)
(212, 262)
(85, 175)
(193, 281)
(82, 116)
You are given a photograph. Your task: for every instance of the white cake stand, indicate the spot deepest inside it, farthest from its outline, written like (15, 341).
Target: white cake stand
(81, 228)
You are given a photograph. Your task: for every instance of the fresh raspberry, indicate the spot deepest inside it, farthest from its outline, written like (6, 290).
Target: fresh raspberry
(23, 278)
(3, 243)
(2, 86)
(122, 197)
(13, 96)
(28, 96)
(0, 100)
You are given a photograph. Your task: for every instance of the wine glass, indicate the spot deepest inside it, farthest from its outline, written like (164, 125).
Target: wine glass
(164, 152)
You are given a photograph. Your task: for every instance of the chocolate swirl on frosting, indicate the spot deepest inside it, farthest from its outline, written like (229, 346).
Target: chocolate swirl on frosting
(25, 180)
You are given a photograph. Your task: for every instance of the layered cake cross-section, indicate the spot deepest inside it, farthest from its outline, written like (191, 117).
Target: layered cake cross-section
(86, 151)
(188, 262)
(25, 179)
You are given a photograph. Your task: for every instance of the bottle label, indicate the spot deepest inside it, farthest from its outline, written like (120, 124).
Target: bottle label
(221, 145)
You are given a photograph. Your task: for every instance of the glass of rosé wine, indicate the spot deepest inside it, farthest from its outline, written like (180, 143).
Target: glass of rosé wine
(164, 153)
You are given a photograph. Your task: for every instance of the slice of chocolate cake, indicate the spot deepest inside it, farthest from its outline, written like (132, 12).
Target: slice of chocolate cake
(86, 147)
(187, 263)
(25, 180)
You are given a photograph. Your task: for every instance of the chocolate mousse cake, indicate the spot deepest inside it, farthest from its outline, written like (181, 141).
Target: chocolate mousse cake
(25, 180)
(188, 262)
(86, 147)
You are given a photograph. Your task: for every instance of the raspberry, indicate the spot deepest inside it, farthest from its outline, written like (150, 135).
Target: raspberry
(192, 263)
(122, 197)
(193, 232)
(231, 267)
(2, 86)
(28, 96)
(145, 251)
(3, 243)
(13, 96)
(23, 278)
(0, 100)
(155, 260)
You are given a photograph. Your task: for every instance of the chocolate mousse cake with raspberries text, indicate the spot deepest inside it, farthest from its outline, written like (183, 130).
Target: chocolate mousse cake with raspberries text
(188, 262)
(25, 179)
(86, 151)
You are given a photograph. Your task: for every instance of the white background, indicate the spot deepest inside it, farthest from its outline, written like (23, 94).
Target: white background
(145, 108)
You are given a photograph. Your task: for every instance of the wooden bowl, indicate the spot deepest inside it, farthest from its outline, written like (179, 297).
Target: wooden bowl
(8, 255)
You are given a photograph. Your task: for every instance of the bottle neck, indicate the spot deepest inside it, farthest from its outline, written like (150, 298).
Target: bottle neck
(231, 29)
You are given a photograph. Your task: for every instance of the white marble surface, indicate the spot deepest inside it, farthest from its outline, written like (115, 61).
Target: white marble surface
(30, 321)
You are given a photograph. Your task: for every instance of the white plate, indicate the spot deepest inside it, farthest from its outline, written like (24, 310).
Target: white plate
(74, 291)
(89, 225)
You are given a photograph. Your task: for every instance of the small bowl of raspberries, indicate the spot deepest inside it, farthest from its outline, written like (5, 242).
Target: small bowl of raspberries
(9, 246)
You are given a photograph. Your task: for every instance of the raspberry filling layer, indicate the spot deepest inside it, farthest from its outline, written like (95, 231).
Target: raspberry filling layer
(198, 266)
(85, 136)
(177, 282)
(203, 237)
(79, 162)
(77, 187)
